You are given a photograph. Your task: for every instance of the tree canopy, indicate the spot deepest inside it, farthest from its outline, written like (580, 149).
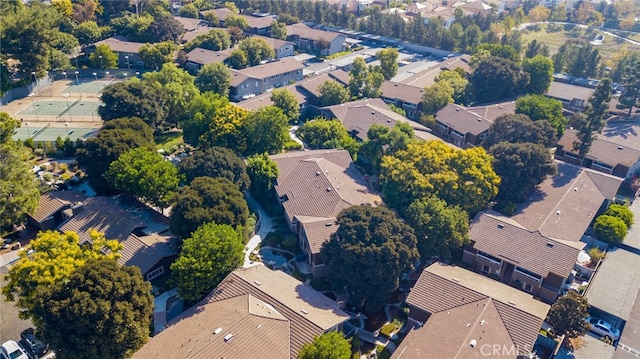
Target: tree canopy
(388, 62)
(279, 30)
(267, 130)
(540, 107)
(321, 133)
(567, 314)
(460, 177)
(103, 57)
(332, 93)
(214, 77)
(212, 252)
(214, 40)
(380, 141)
(332, 345)
(257, 50)
(145, 174)
(206, 200)
(540, 70)
(227, 128)
(134, 99)
(200, 110)
(156, 55)
(520, 129)
(621, 211)
(56, 256)
(287, 102)
(263, 172)
(373, 238)
(496, 79)
(102, 310)
(610, 228)
(215, 162)
(179, 87)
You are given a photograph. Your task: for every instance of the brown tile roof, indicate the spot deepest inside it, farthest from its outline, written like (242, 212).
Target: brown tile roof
(603, 150)
(359, 116)
(311, 84)
(259, 22)
(527, 249)
(306, 32)
(221, 13)
(255, 325)
(623, 133)
(190, 24)
(568, 92)
(563, 206)
(320, 183)
(261, 72)
(203, 56)
(121, 44)
(427, 77)
(462, 120)
(491, 112)
(309, 312)
(273, 42)
(264, 99)
(190, 35)
(317, 230)
(456, 298)
(52, 202)
(406, 93)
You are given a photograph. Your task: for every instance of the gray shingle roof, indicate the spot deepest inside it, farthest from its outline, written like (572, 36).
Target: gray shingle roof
(52, 202)
(398, 91)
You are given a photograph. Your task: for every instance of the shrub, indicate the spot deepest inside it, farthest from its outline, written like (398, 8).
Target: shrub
(610, 229)
(63, 167)
(290, 242)
(596, 256)
(388, 329)
(292, 146)
(621, 211)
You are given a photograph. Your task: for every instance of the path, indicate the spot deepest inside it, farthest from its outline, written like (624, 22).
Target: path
(292, 134)
(266, 224)
(368, 337)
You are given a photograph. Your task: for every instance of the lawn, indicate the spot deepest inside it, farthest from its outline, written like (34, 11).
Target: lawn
(169, 140)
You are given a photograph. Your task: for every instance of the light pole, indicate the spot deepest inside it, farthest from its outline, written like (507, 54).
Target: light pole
(77, 79)
(137, 74)
(34, 105)
(107, 75)
(65, 75)
(126, 76)
(95, 74)
(49, 86)
(128, 65)
(26, 125)
(101, 62)
(66, 97)
(35, 79)
(66, 127)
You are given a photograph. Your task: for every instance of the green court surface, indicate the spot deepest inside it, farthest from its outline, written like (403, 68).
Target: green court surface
(88, 86)
(43, 133)
(60, 108)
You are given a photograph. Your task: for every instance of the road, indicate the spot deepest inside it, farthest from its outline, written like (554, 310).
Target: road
(10, 324)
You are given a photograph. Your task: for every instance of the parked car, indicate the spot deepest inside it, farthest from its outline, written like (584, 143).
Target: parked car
(11, 350)
(34, 345)
(603, 328)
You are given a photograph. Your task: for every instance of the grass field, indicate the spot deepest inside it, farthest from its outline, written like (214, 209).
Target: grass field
(556, 35)
(168, 139)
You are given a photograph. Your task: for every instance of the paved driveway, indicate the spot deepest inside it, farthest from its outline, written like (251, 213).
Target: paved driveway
(10, 324)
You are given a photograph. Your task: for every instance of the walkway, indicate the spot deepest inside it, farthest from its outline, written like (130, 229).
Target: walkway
(266, 224)
(292, 134)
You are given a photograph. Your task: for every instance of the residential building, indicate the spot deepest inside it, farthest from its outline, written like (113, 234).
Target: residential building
(199, 57)
(191, 24)
(264, 99)
(259, 25)
(127, 51)
(54, 208)
(359, 116)
(190, 35)
(616, 149)
(255, 80)
(421, 74)
(502, 249)
(405, 97)
(573, 97)
(322, 42)
(221, 15)
(280, 47)
(313, 187)
(310, 85)
(461, 314)
(252, 312)
(468, 127)
(144, 233)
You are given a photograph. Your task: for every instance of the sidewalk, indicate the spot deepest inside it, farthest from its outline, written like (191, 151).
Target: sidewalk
(265, 227)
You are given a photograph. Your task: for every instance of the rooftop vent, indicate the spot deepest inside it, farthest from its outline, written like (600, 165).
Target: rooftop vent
(468, 325)
(304, 311)
(217, 331)
(389, 120)
(473, 343)
(558, 213)
(575, 189)
(512, 303)
(259, 326)
(549, 244)
(620, 148)
(501, 226)
(228, 337)
(373, 112)
(318, 173)
(328, 224)
(396, 84)
(256, 282)
(328, 189)
(482, 322)
(457, 109)
(455, 279)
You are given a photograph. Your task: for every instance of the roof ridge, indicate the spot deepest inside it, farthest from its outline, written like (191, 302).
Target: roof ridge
(486, 306)
(527, 230)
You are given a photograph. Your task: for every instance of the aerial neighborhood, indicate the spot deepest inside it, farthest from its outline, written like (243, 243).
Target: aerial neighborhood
(319, 179)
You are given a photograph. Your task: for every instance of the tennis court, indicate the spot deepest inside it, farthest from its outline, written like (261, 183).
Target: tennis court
(44, 132)
(94, 87)
(61, 108)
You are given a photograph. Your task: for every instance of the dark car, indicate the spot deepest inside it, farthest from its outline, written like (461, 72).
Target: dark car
(33, 344)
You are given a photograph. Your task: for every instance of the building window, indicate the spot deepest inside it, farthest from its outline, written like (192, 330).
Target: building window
(486, 269)
(155, 273)
(527, 287)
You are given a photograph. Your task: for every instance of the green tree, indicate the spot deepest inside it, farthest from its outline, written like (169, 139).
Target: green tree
(156, 55)
(380, 141)
(88, 32)
(263, 172)
(257, 50)
(364, 82)
(388, 62)
(235, 21)
(164, 28)
(189, 10)
(134, 99)
(535, 48)
(578, 58)
(103, 57)
(133, 27)
(598, 106)
(540, 70)
(216, 162)
(279, 30)
(205, 200)
(321, 133)
(214, 77)
(287, 102)
(178, 85)
(499, 50)
(567, 314)
(496, 79)
(227, 129)
(440, 229)
(375, 238)
(132, 123)
(522, 166)
(55, 257)
(101, 303)
(19, 193)
(610, 229)
(539, 13)
(519, 128)
(215, 40)
(145, 174)
(559, 13)
(460, 177)
(200, 110)
(456, 80)
(212, 252)
(630, 77)
(238, 59)
(540, 107)
(267, 130)
(621, 211)
(436, 97)
(332, 93)
(332, 345)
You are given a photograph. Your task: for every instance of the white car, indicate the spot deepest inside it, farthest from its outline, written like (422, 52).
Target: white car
(602, 328)
(11, 350)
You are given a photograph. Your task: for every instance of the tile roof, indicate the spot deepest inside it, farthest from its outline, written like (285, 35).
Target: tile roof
(623, 133)
(359, 116)
(264, 99)
(189, 23)
(320, 183)
(273, 42)
(427, 77)
(252, 322)
(603, 150)
(52, 202)
(309, 312)
(306, 32)
(190, 35)
(311, 84)
(317, 230)
(522, 247)
(456, 298)
(568, 92)
(203, 56)
(462, 120)
(491, 112)
(259, 22)
(563, 205)
(221, 13)
(121, 44)
(406, 93)
(261, 72)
